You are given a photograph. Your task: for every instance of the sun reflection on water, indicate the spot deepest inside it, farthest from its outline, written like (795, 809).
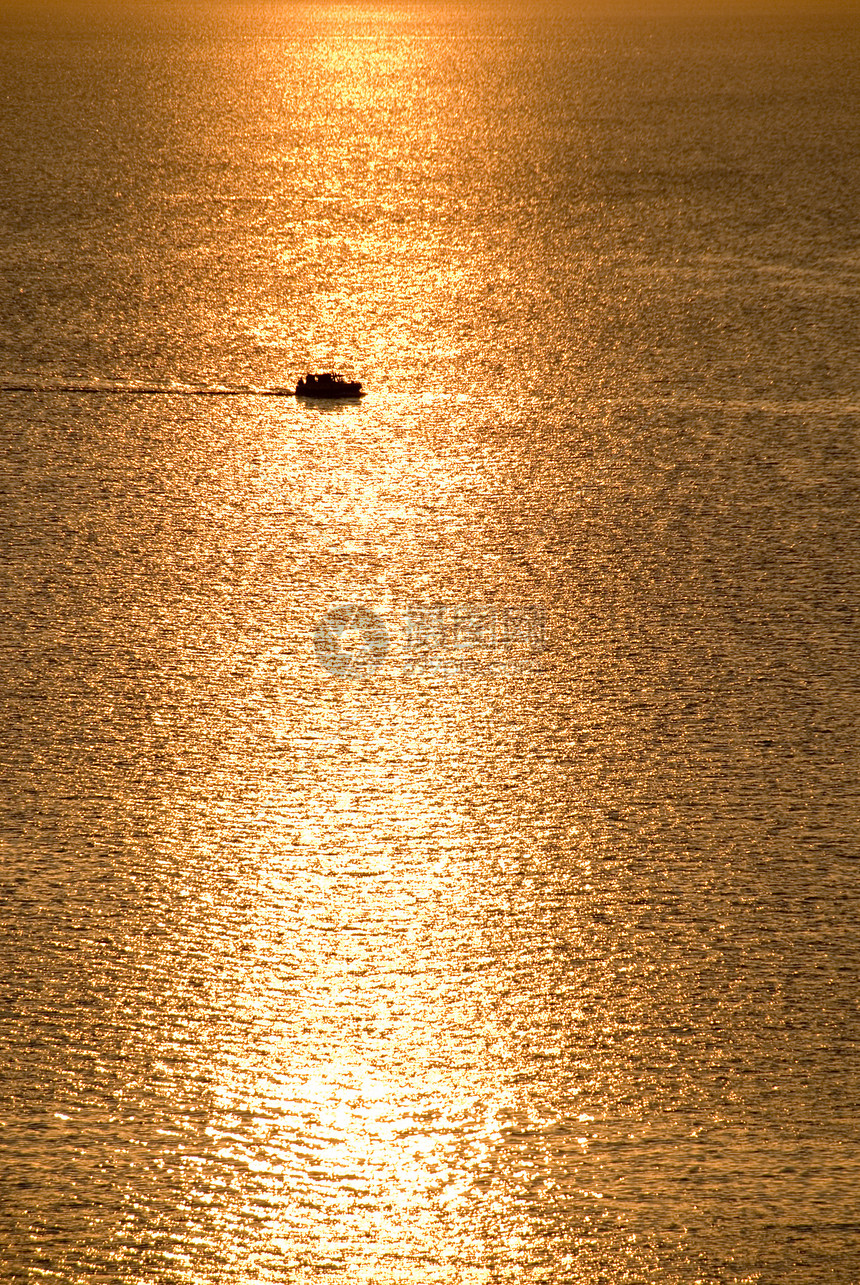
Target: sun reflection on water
(353, 1109)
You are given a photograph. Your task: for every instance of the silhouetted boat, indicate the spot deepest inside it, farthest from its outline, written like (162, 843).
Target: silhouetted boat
(328, 385)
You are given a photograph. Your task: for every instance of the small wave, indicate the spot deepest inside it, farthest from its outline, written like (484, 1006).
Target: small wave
(836, 405)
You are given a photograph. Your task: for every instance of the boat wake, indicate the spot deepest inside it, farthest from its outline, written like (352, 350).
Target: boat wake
(153, 390)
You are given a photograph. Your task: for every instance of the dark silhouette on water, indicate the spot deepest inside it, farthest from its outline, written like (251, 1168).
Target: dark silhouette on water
(325, 385)
(328, 385)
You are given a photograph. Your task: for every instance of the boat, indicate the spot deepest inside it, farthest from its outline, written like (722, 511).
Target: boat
(328, 385)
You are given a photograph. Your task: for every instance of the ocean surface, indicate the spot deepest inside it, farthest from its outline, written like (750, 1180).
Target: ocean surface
(429, 830)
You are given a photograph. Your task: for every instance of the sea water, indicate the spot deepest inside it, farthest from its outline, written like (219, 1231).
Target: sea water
(430, 835)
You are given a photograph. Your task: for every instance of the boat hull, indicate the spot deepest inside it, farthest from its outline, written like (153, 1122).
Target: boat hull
(317, 395)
